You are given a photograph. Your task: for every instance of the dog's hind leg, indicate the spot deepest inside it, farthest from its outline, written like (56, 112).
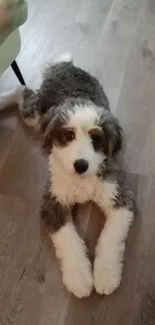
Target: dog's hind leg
(29, 108)
(26, 100)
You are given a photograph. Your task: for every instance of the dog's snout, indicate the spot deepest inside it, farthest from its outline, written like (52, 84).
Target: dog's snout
(81, 166)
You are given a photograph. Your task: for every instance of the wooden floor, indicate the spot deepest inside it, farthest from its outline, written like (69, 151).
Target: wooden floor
(115, 40)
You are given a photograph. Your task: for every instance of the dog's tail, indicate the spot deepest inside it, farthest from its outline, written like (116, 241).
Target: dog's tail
(11, 98)
(66, 57)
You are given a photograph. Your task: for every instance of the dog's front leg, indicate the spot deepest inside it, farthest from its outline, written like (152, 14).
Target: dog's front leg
(75, 265)
(70, 248)
(118, 205)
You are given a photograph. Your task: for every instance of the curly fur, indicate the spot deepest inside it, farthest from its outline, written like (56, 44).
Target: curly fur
(80, 137)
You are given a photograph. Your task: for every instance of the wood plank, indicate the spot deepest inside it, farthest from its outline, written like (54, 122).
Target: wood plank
(19, 249)
(110, 52)
(113, 40)
(23, 173)
(135, 107)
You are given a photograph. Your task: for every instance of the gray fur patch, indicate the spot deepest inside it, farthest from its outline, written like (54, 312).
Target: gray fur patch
(64, 81)
(124, 196)
(51, 127)
(30, 104)
(112, 131)
(54, 214)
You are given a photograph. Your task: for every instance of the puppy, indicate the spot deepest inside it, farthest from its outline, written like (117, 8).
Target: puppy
(80, 136)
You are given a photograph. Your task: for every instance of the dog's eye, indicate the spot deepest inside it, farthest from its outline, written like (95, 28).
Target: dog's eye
(97, 139)
(69, 135)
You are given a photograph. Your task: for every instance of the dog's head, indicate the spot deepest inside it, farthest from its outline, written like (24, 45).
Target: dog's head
(81, 136)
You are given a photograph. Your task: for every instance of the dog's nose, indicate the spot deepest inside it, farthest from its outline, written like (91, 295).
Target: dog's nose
(81, 166)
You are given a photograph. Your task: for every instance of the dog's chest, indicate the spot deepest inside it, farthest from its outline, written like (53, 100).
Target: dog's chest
(70, 189)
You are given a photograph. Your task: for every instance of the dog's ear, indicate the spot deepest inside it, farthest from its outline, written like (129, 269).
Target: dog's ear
(50, 135)
(47, 141)
(47, 130)
(113, 134)
(51, 127)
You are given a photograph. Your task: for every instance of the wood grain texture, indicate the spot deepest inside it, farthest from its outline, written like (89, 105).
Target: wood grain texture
(115, 41)
(136, 103)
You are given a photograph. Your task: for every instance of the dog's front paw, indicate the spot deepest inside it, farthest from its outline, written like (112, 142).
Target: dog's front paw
(107, 277)
(77, 277)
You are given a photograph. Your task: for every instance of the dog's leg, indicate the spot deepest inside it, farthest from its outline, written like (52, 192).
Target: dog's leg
(118, 205)
(70, 248)
(76, 268)
(26, 100)
(29, 108)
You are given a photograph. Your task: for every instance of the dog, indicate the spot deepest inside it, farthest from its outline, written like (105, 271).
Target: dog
(80, 137)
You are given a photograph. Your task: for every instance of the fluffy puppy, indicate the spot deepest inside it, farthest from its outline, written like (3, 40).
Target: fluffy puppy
(80, 135)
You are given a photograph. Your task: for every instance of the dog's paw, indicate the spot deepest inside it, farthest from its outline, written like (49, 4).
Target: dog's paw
(106, 278)
(78, 278)
(75, 265)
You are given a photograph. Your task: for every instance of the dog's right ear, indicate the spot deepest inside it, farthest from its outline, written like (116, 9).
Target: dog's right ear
(51, 125)
(47, 142)
(47, 129)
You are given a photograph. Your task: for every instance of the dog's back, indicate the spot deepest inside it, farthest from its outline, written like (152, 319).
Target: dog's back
(63, 81)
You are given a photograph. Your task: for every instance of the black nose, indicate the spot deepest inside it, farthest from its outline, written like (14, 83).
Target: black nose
(81, 166)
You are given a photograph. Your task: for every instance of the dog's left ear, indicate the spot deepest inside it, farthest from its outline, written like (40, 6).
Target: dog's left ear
(113, 135)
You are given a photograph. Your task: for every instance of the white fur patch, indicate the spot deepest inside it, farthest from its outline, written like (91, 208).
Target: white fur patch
(62, 159)
(76, 268)
(110, 250)
(84, 116)
(70, 187)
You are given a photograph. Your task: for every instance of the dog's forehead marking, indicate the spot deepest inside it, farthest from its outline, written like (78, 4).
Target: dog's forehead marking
(84, 117)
